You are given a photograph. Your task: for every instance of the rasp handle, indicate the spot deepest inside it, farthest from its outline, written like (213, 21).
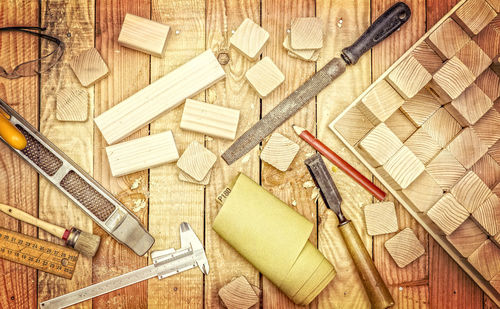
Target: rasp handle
(384, 26)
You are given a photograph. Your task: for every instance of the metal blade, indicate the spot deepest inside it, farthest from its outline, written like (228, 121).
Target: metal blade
(189, 239)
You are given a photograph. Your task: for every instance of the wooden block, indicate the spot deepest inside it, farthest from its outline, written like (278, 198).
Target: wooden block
(186, 178)
(447, 39)
(89, 67)
(474, 15)
(496, 190)
(495, 281)
(489, 83)
(486, 259)
(494, 151)
(306, 33)
(471, 105)
(400, 125)
(487, 215)
(381, 218)
(442, 127)
(404, 247)
(144, 35)
(448, 214)
(238, 294)
(72, 105)
(279, 152)
(142, 153)
(467, 238)
(401, 169)
(380, 103)
(495, 4)
(304, 54)
(474, 58)
(470, 191)
(445, 169)
(423, 193)
(419, 108)
(163, 95)
(409, 77)
(427, 57)
(249, 39)
(196, 161)
(451, 80)
(265, 76)
(353, 125)
(423, 146)
(488, 128)
(314, 57)
(467, 148)
(379, 145)
(210, 119)
(488, 170)
(489, 38)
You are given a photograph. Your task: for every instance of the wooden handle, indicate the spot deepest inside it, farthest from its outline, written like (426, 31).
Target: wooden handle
(25, 217)
(374, 285)
(10, 134)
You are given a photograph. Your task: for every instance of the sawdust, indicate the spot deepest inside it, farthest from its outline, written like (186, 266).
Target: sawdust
(136, 183)
(294, 203)
(308, 184)
(139, 204)
(315, 194)
(245, 158)
(310, 154)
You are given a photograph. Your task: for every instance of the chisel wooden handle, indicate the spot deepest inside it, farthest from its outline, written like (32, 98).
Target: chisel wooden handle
(374, 285)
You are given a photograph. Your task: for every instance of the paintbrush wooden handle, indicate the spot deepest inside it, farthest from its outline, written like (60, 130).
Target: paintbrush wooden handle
(374, 285)
(26, 217)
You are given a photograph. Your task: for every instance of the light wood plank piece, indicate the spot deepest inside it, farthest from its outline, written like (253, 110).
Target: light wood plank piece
(265, 76)
(495, 4)
(489, 83)
(448, 214)
(447, 39)
(488, 170)
(162, 95)
(400, 125)
(380, 103)
(401, 169)
(306, 33)
(419, 108)
(474, 58)
(404, 247)
(471, 105)
(238, 294)
(279, 151)
(451, 80)
(409, 77)
(304, 54)
(186, 178)
(423, 146)
(486, 259)
(489, 38)
(72, 105)
(488, 128)
(142, 153)
(196, 161)
(442, 127)
(379, 145)
(495, 281)
(474, 15)
(470, 191)
(249, 39)
(467, 238)
(353, 125)
(467, 148)
(381, 218)
(423, 193)
(427, 57)
(494, 151)
(210, 119)
(89, 67)
(144, 35)
(445, 169)
(487, 215)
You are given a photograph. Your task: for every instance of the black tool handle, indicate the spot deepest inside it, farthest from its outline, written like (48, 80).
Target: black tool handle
(384, 26)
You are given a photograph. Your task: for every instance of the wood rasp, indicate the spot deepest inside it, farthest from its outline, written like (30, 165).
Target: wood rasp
(385, 25)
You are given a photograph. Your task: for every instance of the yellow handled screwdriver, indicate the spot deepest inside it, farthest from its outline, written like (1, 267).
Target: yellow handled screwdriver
(10, 133)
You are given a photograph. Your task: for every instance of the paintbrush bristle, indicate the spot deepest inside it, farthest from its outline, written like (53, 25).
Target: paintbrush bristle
(87, 243)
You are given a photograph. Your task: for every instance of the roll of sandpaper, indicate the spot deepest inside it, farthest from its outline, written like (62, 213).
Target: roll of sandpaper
(274, 239)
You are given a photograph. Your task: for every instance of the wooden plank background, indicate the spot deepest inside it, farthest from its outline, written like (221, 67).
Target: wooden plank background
(434, 281)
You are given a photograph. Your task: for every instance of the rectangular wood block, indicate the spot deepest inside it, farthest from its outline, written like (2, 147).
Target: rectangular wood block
(471, 105)
(427, 57)
(400, 125)
(279, 151)
(249, 39)
(487, 215)
(380, 103)
(144, 35)
(447, 39)
(445, 169)
(404, 247)
(442, 127)
(306, 33)
(419, 108)
(264, 77)
(488, 128)
(142, 153)
(210, 119)
(423, 193)
(467, 238)
(467, 148)
(486, 259)
(474, 15)
(89, 67)
(489, 83)
(163, 95)
(474, 58)
(353, 125)
(379, 145)
(423, 146)
(409, 77)
(401, 169)
(381, 218)
(448, 214)
(489, 38)
(451, 80)
(470, 191)
(488, 170)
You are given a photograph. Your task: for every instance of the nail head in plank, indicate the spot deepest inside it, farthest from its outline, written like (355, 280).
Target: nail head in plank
(467, 148)
(423, 146)
(381, 218)
(279, 152)
(448, 214)
(379, 145)
(423, 193)
(474, 58)
(470, 191)
(488, 170)
(445, 169)
(442, 127)
(380, 103)
(306, 33)
(489, 38)
(487, 215)
(400, 125)
(474, 15)
(238, 294)
(489, 83)
(467, 238)
(265, 76)
(409, 77)
(89, 67)
(401, 169)
(249, 39)
(427, 57)
(196, 161)
(72, 105)
(486, 259)
(451, 80)
(447, 39)
(353, 125)
(488, 128)
(470, 106)
(163, 95)
(142, 153)
(304, 54)
(144, 35)
(404, 247)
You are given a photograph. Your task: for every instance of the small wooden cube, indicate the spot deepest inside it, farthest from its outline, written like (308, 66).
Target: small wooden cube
(488, 128)
(265, 76)
(196, 161)
(404, 247)
(489, 83)
(495, 4)
(427, 57)
(380, 103)
(448, 214)
(486, 259)
(306, 33)
(423, 146)
(451, 80)
(445, 169)
(279, 152)
(489, 38)
(467, 148)
(353, 125)
(72, 105)
(442, 127)
(249, 39)
(494, 151)
(487, 215)
(471, 105)
(474, 58)
(423, 193)
(474, 15)
(488, 170)
(304, 54)
(470, 191)
(186, 178)
(401, 169)
(467, 238)
(419, 108)
(400, 125)
(379, 145)
(238, 294)
(409, 77)
(381, 218)
(447, 39)
(89, 67)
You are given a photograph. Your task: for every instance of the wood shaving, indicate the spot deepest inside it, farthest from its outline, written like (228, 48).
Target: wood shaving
(310, 154)
(308, 184)
(139, 204)
(315, 194)
(136, 184)
(294, 203)
(246, 158)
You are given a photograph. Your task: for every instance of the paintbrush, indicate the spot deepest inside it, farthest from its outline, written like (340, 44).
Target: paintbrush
(81, 241)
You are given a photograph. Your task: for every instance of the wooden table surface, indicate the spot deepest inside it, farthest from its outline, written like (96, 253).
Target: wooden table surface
(434, 280)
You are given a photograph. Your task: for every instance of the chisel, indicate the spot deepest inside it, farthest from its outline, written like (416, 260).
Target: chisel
(384, 26)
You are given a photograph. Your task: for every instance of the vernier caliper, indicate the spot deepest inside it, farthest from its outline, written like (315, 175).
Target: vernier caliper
(165, 264)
